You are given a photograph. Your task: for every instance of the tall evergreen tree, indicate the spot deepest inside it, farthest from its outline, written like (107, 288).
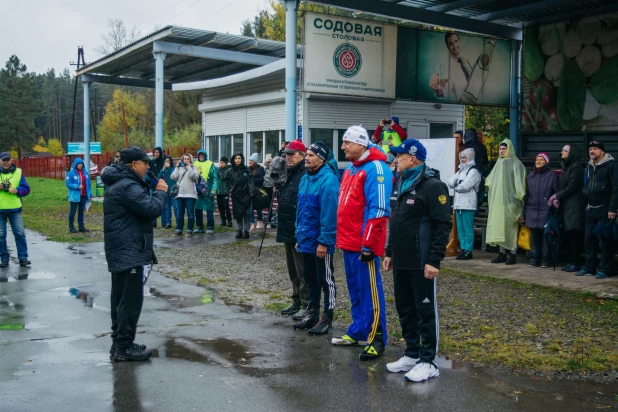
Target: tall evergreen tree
(19, 98)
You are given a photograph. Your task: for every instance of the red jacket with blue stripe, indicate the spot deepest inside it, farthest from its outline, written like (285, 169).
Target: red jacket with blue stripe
(364, 205)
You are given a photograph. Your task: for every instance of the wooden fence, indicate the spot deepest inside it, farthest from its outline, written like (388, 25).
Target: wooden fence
(56, 167)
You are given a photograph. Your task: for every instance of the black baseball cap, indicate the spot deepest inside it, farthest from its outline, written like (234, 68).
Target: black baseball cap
(133, 154)
(594, 143)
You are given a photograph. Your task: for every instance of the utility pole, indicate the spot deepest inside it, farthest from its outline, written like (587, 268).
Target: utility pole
(80, 62)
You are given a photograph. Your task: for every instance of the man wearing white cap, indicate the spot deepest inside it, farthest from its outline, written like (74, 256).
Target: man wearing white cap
(363, 212)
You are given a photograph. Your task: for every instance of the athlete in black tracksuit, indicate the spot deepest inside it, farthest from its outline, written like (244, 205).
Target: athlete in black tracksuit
(420, 224)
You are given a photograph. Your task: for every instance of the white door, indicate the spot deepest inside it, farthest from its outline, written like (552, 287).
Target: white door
(418, 130)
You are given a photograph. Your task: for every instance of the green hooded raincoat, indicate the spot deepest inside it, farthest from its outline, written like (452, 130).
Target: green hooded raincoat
(208, 171)
(506, 187)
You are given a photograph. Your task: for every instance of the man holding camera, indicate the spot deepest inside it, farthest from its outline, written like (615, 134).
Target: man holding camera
(128, 211)
(14, 187)
(286, 229)
(392, 136)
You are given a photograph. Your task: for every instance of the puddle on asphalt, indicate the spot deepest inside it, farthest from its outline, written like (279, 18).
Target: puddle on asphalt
(41, 275)
(223, 352)
(76, 251)
(86, 297)
(210, 296)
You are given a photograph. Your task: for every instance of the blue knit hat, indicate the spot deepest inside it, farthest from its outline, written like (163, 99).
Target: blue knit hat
(254, 157)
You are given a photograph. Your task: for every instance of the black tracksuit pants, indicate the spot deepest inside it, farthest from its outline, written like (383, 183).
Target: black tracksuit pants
(592, 242)
(127, 298)
(223, 203)
(319, 276)
(415, 300)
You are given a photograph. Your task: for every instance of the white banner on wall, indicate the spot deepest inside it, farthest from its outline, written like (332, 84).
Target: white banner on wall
(349, 56)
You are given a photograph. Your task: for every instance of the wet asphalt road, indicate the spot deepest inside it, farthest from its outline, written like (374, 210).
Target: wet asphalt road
(210, 356)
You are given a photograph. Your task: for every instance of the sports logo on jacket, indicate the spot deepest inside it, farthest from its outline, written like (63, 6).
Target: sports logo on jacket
(442, 199)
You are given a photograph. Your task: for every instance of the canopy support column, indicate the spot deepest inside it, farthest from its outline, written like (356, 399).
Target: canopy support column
(290, 69)
(515, 91)
(159, 87)
(86, 86)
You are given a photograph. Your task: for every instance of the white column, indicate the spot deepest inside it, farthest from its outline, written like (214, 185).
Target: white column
(86, 86)
(290, 69)
(159, 82)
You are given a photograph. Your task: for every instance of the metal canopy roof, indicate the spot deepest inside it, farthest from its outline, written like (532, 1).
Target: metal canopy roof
(516, 13)
(136, 61)
(501, 18)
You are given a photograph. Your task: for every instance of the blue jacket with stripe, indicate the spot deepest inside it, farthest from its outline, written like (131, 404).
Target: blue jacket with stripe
(316, 216)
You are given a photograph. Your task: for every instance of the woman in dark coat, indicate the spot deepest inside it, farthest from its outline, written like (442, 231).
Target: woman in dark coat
(572, 204)
(240, 183)
(541, 185)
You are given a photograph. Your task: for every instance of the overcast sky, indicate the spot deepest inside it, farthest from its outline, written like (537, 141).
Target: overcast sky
(45, 34)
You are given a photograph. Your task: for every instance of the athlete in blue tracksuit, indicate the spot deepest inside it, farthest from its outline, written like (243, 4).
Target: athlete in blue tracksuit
(316, 229)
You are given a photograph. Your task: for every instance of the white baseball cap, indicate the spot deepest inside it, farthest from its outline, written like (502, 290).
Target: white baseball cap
(357, 134)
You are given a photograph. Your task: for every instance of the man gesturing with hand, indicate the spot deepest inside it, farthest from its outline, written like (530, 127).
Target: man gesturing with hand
(420, 224)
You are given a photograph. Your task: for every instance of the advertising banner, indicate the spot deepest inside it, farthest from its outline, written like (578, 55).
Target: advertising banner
(78, 148)
(570, 76)
(349, 56)
(449, 67)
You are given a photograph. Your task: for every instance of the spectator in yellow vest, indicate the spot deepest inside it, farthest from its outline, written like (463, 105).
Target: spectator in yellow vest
(207, 201)
(394, 134)
(14, 187)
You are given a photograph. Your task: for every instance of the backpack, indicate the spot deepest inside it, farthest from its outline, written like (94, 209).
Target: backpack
(201, 186)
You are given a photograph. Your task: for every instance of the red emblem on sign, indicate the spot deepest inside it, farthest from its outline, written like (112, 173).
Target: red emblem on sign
(347, 60)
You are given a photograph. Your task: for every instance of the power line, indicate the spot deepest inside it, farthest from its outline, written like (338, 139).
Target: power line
(192, 4)
(220, 10)
(164, 11)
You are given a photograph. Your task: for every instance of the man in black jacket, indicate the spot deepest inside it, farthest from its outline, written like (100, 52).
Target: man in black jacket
(601, 193)
(128, 211)
(420, 225)
(471, 140)
(286, 230)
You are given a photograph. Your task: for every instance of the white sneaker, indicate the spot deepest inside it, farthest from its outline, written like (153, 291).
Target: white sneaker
(402, 365)
(422, 371)
(252, 228)
(260, 225)
(344, 340)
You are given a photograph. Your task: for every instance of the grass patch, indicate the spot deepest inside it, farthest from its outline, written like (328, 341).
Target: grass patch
(46, 210)
(203, 282)
(275, 306)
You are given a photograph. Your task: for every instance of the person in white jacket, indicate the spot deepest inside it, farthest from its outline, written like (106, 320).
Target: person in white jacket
(185, 176)
(466, 184)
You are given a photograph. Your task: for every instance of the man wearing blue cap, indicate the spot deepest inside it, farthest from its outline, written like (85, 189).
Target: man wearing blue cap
(419, 229)
(14, 187)
(392, 136)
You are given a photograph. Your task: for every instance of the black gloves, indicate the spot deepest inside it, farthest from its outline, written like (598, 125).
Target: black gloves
(367, 258)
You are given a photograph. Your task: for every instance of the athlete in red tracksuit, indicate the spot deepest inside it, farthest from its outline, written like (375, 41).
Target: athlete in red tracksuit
(364, 208)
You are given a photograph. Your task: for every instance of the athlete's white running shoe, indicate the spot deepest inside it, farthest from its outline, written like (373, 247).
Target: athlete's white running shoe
(422, 371)
(402, 365)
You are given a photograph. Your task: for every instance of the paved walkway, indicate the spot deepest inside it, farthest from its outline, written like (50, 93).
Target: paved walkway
(481, 265)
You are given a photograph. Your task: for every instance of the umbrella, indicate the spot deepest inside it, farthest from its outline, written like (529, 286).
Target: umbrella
(552, 234)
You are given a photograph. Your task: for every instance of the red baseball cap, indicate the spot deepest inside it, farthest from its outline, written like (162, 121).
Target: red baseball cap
(295, 146)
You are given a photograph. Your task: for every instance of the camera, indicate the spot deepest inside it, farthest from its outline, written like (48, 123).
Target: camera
(6, 185)
(275, 175)
(182, 164)
(387, 121)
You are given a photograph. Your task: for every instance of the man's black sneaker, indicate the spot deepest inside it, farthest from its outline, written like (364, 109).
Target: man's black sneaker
(229, 224)
(501, 258)
(112, 350)
(373, 350)
(310, 320)
(290, 310)
(24, 262)
(512, 259)
(300, 315)
(84, 230)
(324, 325)
(245, 235)
(239, 234)
(4, 263)
(223, 223)
(466, 256)
(73, 230)
(132, 353)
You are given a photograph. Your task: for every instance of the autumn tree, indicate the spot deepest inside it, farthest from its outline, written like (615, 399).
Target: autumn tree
(493, 122)
(18, 106)
(52, 146)
(138, 122)
(117, 37)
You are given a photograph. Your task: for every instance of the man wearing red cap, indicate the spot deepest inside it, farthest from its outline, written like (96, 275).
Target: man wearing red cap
(286, 229)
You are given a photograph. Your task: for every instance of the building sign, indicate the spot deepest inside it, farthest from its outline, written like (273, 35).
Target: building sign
(449, 67)
(570, 76)
(78, 148)
(349, 56)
